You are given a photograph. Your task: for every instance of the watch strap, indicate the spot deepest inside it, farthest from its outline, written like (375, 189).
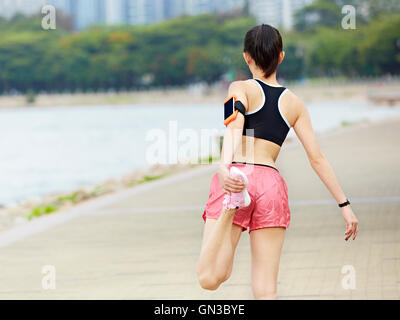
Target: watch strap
(344, 204)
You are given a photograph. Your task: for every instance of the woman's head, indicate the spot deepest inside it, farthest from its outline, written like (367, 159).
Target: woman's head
(263, 46)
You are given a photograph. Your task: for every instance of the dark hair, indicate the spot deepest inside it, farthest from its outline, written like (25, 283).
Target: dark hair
(264, 44)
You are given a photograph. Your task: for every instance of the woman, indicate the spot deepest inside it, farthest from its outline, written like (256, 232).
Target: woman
(252, 143)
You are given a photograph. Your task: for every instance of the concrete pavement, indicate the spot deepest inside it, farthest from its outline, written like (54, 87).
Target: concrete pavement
(143, 243)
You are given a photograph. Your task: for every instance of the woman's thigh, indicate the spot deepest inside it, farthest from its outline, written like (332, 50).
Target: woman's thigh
(209, 227)
(266, 247)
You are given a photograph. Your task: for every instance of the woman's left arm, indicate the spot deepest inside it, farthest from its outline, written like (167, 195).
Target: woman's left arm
(322, 166)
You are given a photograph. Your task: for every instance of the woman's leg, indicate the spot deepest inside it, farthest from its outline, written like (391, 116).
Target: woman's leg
(266, 246)
(220, 239)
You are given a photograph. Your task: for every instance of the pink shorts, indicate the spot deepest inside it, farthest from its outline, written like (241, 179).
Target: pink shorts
(269, 199)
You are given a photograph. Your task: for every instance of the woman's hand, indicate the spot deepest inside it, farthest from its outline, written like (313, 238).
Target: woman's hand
(351, 223)
(229, 184)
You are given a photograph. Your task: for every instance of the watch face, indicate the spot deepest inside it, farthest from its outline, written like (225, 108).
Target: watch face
(229, 105)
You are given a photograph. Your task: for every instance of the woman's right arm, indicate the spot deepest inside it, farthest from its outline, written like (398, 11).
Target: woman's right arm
(232, 142)
(321, 165)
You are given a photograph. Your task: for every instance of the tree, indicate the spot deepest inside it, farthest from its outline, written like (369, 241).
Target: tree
(319, 13)
(379, 50)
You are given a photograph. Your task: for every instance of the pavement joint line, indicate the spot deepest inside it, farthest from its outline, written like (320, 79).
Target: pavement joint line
(94, 207)
(294, 203)
(90, 207)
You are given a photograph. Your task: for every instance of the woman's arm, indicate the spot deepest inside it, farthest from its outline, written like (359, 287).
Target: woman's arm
(232, 141)
(321, 166)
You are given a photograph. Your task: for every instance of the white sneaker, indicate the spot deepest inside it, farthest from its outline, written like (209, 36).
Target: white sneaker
(239, 199)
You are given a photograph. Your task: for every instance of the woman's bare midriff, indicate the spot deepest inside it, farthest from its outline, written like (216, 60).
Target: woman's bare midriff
(258, 151)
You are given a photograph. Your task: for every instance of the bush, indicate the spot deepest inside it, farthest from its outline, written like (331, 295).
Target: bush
(30, 97)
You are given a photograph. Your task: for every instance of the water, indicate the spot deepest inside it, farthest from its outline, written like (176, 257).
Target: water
(47, 150)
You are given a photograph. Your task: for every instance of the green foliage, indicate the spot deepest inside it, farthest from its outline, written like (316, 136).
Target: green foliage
(294, 63)
(319, 13)
(372, 49)
(376, 8)
(190, 49)
(379, 50)
(41, 210)
(174, 52)
(70, 198)
(150, 178)
(30, 97)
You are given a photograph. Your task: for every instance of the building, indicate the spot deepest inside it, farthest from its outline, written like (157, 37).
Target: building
(85, 13)
(115, 12)
(174, 8)
(141, 12)
(67, 7)
(228, 5)
(8, 8)
(89, 12)
(290, 9)
(278, 13)
(267, 11)
(195, 7)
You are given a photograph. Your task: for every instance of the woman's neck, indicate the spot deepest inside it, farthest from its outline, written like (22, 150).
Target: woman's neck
(260, 75)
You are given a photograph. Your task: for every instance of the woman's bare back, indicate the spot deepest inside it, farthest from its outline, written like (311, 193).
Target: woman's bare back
(256, 150)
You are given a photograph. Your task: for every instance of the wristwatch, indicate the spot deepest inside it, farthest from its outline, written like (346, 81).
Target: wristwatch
(344, 204)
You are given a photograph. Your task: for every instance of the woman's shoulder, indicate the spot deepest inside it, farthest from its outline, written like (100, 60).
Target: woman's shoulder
(293, 106)
(292, 99)
(248, 86)
(239, 84)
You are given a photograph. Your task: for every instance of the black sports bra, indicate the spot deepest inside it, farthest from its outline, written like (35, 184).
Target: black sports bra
(267, 122)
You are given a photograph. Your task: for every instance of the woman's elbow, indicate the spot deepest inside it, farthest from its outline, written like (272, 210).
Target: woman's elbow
(317, 160)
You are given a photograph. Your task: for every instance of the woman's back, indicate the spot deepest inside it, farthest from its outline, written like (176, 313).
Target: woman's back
(270, 114)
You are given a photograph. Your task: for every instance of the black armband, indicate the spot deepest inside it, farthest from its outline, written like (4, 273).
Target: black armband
(240, 107)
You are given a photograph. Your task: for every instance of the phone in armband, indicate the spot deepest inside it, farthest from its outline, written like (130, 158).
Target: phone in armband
(230, 113)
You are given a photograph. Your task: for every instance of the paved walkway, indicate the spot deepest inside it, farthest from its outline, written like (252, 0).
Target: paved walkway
(143, 243)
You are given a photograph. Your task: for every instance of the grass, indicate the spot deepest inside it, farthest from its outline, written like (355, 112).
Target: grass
(69, 198)
(150, 178)
(41, 210)
(99, 190)
(345, 123)
(209, 160)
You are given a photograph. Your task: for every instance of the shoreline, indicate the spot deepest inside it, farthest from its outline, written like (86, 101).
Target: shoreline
(30, 209)
(308, 92)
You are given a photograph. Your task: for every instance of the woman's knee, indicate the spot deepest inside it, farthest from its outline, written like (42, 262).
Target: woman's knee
(211, 281)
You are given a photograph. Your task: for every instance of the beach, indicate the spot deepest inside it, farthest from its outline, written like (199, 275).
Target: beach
(127, 245)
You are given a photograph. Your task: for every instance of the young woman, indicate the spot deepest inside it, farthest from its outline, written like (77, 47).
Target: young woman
(252, 143)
